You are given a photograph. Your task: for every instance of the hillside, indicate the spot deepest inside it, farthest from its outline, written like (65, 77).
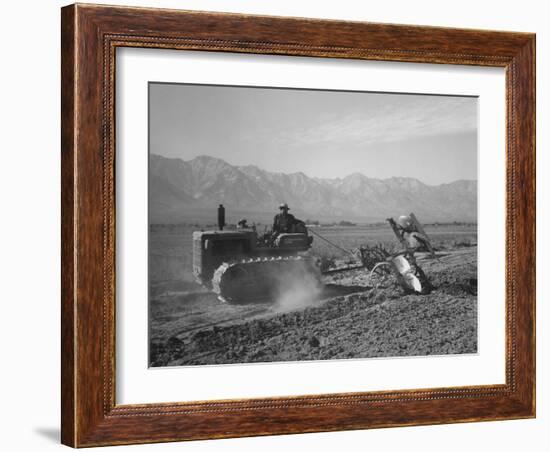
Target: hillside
(182, 191)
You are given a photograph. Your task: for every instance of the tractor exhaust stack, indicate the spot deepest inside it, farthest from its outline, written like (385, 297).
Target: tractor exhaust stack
(221, 217)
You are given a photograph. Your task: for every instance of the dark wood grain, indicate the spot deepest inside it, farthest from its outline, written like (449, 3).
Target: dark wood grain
(68, 310)
(90, 36)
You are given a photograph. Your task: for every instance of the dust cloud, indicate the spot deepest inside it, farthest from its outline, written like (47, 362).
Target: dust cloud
(298, 289)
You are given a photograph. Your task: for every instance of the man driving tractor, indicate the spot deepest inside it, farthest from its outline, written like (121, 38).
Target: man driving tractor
(284, 221)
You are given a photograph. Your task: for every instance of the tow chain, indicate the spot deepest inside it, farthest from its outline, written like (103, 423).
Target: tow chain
(331, 243)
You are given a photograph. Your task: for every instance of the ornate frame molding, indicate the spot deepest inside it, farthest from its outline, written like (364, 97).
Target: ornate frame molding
(90, 37)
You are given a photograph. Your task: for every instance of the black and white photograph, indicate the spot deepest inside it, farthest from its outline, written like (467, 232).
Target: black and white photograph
(275, 226)
(295, 225)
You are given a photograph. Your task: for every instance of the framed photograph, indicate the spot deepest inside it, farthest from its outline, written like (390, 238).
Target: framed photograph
(281, 225)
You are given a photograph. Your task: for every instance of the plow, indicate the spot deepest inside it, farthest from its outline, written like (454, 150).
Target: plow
(242, 266)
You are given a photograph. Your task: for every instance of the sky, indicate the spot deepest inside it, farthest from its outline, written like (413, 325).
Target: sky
(326, 134)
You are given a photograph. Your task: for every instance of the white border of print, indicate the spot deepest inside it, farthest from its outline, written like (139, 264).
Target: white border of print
(136, 383)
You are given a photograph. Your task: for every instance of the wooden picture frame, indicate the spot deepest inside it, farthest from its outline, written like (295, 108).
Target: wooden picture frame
(90, 35)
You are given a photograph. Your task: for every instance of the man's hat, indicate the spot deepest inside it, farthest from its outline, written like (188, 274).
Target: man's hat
(284, 206)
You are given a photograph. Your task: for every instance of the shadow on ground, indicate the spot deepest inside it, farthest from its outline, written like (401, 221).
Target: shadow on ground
(334, 290)
(50, 433)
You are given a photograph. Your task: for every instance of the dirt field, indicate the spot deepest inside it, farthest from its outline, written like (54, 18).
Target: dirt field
(344, 317)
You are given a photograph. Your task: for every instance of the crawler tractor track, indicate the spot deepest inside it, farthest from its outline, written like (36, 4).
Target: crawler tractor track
(260, 279)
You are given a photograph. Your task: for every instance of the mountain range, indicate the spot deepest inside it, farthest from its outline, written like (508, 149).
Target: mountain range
(187, 191)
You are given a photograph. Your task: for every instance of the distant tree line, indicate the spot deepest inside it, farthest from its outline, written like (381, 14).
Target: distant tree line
(310, 222)
(334, 223)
